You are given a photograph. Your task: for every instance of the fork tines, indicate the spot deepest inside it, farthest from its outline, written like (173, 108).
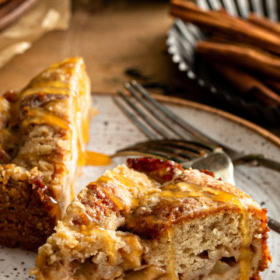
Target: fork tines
(176, 150)
(167, 131)
(156, 120)
(168, 134)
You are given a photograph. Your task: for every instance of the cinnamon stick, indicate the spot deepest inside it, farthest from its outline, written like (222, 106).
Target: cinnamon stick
(241, 55)
(239, 30)
(264, 23)
(273, 84)
(246, 83)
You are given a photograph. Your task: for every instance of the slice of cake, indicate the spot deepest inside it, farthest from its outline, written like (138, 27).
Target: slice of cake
(44, 129)
(153, 220)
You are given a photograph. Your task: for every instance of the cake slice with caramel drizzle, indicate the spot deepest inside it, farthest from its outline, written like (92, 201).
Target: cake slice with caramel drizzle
(44, 129)
(149, 220)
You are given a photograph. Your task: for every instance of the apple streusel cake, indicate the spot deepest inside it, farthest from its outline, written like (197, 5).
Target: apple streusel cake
(150, 219)
(44, 129)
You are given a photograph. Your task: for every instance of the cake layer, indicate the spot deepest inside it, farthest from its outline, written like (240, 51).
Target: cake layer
(153, 220)
(44, 129)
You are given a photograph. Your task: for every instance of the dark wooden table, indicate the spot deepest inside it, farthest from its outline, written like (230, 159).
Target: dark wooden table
(119, 41)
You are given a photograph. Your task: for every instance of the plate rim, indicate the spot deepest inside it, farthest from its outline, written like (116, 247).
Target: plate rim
(188, 103)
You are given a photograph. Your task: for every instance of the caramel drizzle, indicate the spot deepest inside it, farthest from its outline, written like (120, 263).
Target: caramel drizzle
(40, 116)
(3, 105)
(171, 256)
(45, 90)
(178, 191)
(50, 84)
(191, 190)
(127, 185)
(107, 240)
(117, 201)
(55, 209)
(94, 158)
(66, 86)
(92, 228)
(122, 182)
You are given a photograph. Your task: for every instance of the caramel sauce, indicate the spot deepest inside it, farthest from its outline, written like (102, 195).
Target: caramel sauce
(45, 90)
(132, 257)
(125, 184)
(72, 192)
(39, 116)
(104, 179)
(184, 190)
(50, 84)
(94, 158)
(4, 105)
(147, 273)
(122, 182)
(89, 157)
(71, 82)
(106, 239)
(117, 201)
(110, 245)
(93, 112)
(85, 130)
(172, 274)
(55, 209)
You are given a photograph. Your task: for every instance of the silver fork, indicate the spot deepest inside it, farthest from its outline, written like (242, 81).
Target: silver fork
(201, 153)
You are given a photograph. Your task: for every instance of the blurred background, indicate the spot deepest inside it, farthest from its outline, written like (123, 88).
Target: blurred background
(119, 40)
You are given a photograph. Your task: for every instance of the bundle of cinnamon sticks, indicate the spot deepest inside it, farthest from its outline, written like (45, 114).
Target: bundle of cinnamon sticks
(245, 52)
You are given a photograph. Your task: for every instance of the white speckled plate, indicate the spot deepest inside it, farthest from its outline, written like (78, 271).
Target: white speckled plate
(111, 130)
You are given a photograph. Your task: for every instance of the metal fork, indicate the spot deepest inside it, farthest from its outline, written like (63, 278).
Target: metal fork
(202, 152)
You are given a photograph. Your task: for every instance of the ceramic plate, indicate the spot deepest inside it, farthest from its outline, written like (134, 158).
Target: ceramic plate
(111, 130)
(181, 41)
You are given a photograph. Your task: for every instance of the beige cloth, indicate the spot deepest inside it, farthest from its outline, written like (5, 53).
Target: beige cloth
(44, 16)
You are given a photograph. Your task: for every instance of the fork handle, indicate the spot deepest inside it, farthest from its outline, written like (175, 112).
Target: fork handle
(273, 224)
(258, 160)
